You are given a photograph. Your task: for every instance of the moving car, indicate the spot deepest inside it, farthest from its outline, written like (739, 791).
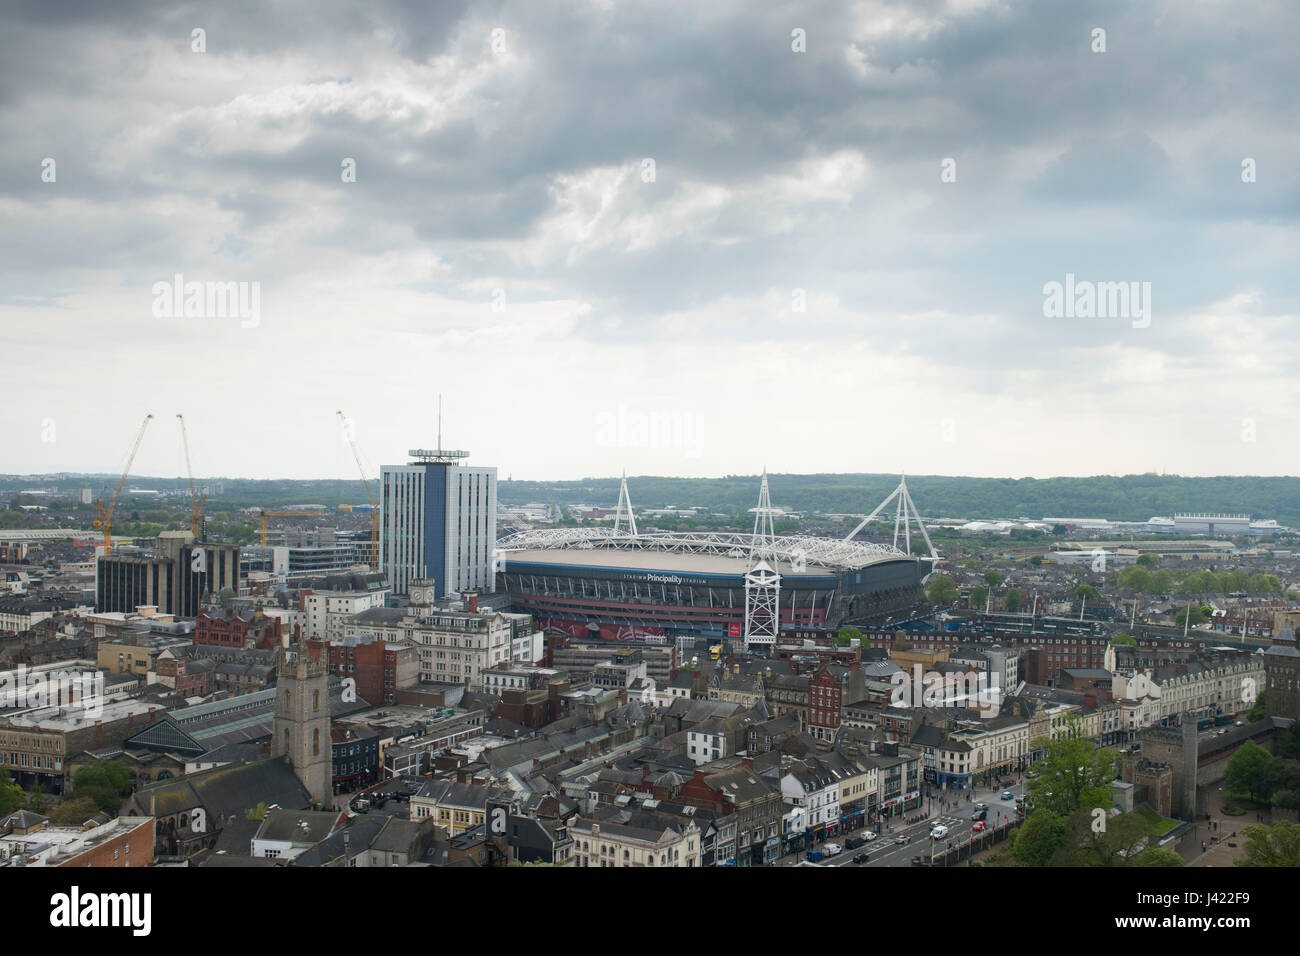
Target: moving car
(980, 827)
(980, 814)
(981, 806)
(860, 858)
(903, 838)
(870, 835)
(1008, 795)
(938, 832)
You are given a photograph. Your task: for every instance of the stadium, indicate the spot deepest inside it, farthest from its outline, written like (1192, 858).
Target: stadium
(618, 584)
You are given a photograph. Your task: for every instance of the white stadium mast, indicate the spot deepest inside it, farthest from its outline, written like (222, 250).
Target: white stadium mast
(905, 513)
(762, 579)
(624, 508)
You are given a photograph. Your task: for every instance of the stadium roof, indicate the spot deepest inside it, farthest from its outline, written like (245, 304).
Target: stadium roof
(799, 552)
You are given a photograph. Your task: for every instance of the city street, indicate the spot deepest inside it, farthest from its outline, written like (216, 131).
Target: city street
(956, 815)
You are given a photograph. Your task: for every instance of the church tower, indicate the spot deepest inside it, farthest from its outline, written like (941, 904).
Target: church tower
(302, 721)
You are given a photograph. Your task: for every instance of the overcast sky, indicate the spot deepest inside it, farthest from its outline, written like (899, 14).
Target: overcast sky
(652, 236)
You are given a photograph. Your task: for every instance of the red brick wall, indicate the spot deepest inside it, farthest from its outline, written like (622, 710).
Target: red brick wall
(140, 841)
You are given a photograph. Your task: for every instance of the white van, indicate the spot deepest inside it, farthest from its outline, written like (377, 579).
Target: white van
(939, 832)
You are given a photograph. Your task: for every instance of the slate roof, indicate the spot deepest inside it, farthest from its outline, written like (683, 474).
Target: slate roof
(224, 791)
(22, 820)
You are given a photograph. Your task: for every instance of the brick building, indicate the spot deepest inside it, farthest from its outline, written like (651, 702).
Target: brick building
(380, 668)
(228, 628)
(825, 704)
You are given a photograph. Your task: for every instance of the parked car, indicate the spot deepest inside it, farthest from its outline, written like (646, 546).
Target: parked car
(832, 849)
(853, 842)
(870, 835)
(816, 856)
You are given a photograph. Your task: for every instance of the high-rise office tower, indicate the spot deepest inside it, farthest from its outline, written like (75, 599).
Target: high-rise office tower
(439, 521)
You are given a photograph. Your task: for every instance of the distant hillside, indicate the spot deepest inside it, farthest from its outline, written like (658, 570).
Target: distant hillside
(1126, 498)
(1122, 498)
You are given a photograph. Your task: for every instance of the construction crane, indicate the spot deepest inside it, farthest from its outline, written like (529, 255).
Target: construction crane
(105, 519)
(285, 514)
(196, 503)
(374, 503)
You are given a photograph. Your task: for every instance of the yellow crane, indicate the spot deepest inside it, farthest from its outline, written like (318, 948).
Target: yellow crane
(374, 503)
(196, 503)
(105, 519)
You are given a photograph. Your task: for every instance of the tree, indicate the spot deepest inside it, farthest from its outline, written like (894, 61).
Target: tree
(1245, 772)
(39, 802)
(1157, 856)
(1289, 745)
(1074, 775)
(847, 635)
(978, 597)
(258, 812)
(1101, 839)
(993, 578)
(106, 782)
(12, 796)
(1036, 560)
(1278, 845)
(1200, 613)
(942, 590)
(1124, 639)
(1279, 778)
(1040, 838)
(1148, 560)
(1087, 592)
(1257, 710)
(1012, 599)
(74, 811)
